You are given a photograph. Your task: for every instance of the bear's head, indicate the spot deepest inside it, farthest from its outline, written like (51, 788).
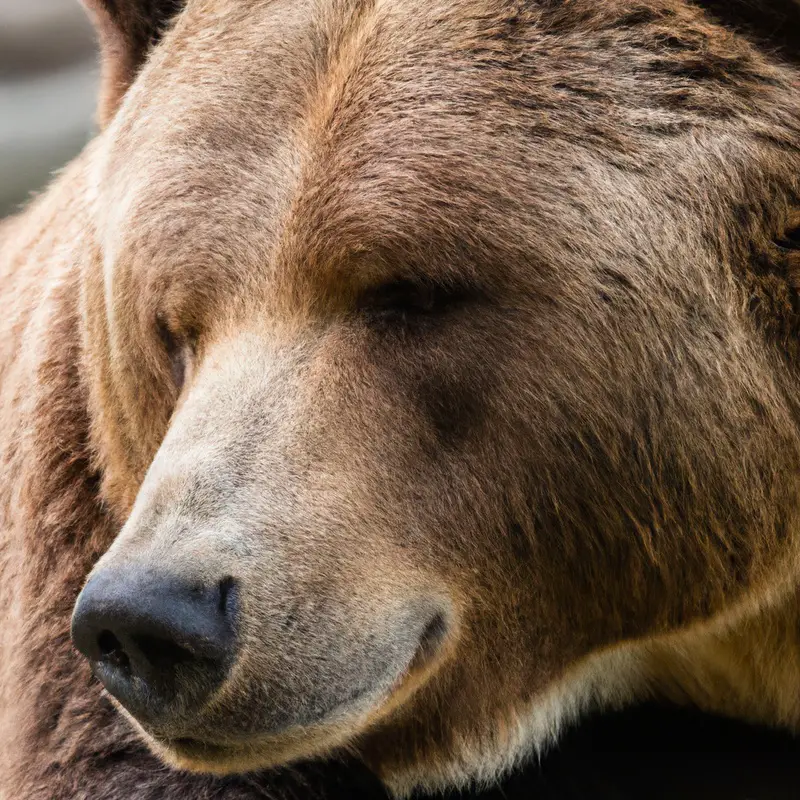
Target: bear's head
(439, 354)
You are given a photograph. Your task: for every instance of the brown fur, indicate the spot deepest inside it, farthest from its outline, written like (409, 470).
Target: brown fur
(580, 455)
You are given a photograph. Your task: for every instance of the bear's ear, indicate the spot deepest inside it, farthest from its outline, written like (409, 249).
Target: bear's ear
(128, 30)
(772, 24)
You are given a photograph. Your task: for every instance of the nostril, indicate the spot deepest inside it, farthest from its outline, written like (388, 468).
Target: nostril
(161, 654)
(112, 651)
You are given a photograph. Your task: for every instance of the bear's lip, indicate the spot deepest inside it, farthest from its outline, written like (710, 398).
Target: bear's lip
(236, 756)
(196, 748)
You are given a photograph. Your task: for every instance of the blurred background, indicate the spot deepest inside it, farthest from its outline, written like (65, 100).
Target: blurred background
(48, 82)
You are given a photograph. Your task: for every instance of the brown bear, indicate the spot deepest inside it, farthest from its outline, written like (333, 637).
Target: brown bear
(401, 379)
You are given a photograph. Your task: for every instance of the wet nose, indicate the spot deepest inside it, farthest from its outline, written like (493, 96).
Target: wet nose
(159, 644)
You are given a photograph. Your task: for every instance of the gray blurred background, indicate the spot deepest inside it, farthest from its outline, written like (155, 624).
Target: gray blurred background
(48, 81)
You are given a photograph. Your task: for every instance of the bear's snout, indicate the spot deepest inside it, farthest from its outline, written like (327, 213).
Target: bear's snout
(158, 644)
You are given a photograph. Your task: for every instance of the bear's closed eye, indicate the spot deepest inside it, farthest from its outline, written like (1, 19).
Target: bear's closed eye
(177, 349)
(403, 299)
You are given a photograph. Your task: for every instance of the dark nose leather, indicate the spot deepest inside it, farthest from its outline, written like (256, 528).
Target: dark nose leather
(158, 644)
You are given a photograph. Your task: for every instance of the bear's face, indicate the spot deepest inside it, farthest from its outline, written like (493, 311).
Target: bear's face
(418, 339)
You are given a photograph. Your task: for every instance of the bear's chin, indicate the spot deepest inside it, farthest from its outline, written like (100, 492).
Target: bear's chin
(235, 753)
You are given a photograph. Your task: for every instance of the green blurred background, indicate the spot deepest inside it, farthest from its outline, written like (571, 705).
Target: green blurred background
(48, 81)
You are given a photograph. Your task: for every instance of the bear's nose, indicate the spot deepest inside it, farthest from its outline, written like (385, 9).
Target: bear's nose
(159, 644)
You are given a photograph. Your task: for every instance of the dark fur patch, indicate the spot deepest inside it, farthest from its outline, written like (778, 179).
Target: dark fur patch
(772, 23)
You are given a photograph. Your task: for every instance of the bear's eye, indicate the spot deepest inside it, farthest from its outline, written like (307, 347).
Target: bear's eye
(178, 350)
(404, 300)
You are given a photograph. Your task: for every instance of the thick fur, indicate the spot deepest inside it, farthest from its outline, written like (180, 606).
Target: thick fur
(565, 477)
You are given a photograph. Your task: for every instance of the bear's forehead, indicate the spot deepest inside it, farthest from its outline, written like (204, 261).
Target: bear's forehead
(329, 132)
